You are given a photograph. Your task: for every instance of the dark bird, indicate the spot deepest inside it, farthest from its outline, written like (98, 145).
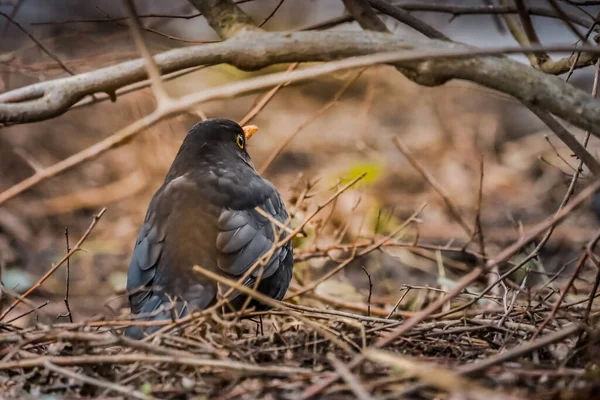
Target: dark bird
(595, 204)
(205, 214)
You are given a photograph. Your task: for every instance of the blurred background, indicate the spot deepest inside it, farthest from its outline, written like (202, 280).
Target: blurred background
(343, 126)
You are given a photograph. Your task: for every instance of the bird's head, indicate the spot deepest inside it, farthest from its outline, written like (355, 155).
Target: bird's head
(214, 141)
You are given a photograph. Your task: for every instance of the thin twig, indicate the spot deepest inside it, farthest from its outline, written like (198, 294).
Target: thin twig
(273, 304)
(271, 14)
(277, 370)
(403, 16)
(38, 43)
(393, 310)
(452, 208)
(567, 138)
(364, 15)
(520, 350)
(313, 285)
(567, 286)
(114, 387)
(306, 122)
(68, 277)
(358, 389)
(465, 281)
(56, 266)
(151, 67)
(184, 103)
(265, 99)
(370, 291)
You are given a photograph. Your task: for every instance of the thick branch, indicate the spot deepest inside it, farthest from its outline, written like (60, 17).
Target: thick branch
(224, 16)
(505, 75)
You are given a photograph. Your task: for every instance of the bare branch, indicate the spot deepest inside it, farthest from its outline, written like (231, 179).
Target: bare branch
(501, 257)
(56, 266)
(95, 382)
(184, 103)
(38, 43)
(567, 138)
(352, 381)
(527, 36)
(225, 17)
(520, 35)
(158, 87)
(463, 283)
(454, 61)
(406, 18)
(364, 15)
(271, 14)
(264, 100)
(530, 32)
(276, 370)
(566, 20)
(567, 64)
(454, 9)
(457, 10)
(439, 189)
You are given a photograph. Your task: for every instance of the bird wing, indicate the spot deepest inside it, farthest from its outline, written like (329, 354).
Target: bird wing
(242, 237)
(144, 261)
(245, 236)
(161, 248)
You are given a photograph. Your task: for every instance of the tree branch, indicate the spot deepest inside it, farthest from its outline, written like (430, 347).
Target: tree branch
(567, 138)
(364, 15)
(527, 36)
(38, 43)
(225, 17)
(156, 83)
(368, 20)
(406, 18)
(529, 30)
(521, 36)
(180, 105)
(505, 75)
(458, 10)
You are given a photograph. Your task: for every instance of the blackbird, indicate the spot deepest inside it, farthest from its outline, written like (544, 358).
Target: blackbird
(205, 214)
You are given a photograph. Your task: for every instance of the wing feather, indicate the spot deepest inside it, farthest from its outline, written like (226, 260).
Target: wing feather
(253, 237)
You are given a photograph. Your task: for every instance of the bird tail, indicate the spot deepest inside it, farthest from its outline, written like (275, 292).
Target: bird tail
(156, 308)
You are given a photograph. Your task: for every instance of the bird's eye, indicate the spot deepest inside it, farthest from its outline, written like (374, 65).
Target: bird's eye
(240, 141)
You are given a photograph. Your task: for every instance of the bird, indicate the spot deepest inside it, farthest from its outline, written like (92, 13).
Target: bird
(595, 204)
(206, 213)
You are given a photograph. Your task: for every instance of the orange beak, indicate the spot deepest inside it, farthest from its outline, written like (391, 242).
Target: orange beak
(249, 130)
